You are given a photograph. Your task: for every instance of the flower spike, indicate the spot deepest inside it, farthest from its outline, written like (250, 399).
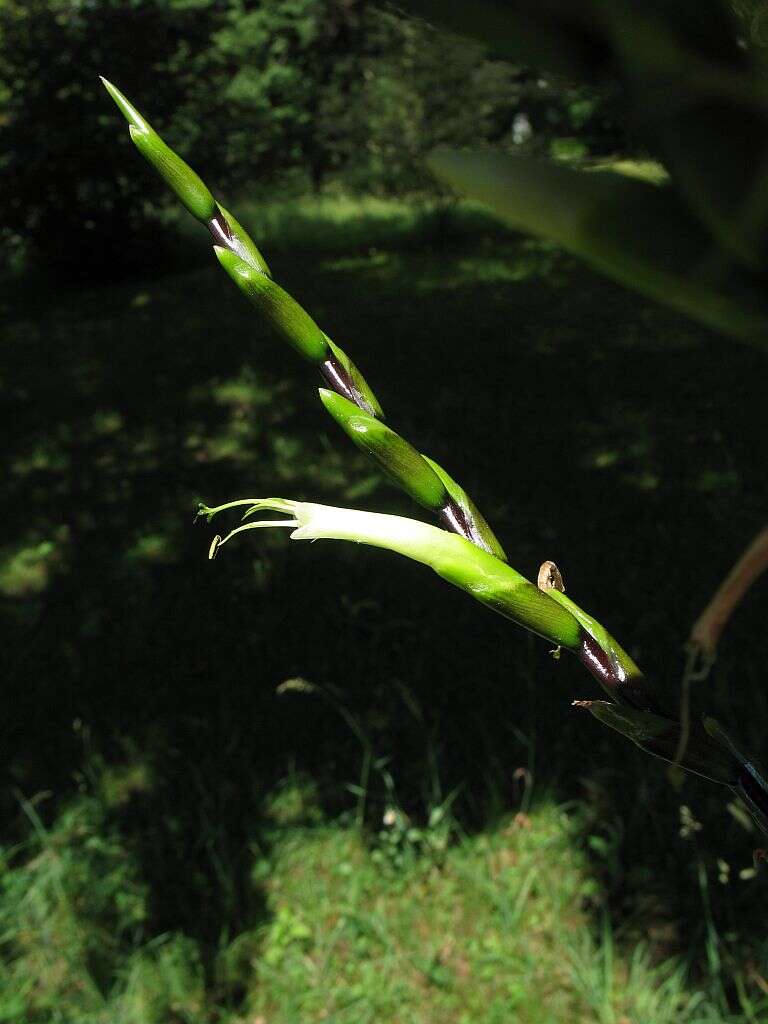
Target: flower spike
(238, 255)
(466, 552)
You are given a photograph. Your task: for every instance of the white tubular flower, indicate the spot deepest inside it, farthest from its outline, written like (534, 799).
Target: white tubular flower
(455, 559)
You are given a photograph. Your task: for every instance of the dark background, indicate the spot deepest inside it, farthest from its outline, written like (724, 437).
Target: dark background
(141, 681)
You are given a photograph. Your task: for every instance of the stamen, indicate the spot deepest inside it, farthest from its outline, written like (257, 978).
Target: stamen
(218, 542)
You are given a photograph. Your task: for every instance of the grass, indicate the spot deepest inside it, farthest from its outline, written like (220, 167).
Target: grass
(344, 225)
(494, 928)
(161, 702)
(403, 926)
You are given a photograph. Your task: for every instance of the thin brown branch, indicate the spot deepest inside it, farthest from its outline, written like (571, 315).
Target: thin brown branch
(710, 624)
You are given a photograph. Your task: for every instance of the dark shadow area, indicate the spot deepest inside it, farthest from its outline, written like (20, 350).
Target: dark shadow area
(589, 427)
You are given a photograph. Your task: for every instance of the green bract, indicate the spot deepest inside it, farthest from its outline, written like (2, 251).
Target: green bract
(480, 532)
(399, 459)
(242, 243)
(284, 313)
(364, 396)
(627, 667)
(661, 736)
(192, 192)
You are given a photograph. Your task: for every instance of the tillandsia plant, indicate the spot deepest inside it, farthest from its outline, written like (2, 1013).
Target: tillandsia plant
(462, 549)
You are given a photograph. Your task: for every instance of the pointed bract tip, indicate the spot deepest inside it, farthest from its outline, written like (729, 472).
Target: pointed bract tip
(238, 239)
(127, 109)
(337, 405)
(232, 263)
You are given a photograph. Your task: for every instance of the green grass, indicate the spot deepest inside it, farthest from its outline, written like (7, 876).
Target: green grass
(147, 715)
(412, 924)
(345, 224)
(493, 929)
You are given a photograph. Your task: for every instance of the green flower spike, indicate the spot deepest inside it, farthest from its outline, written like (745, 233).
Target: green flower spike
(190, 189)
(397, 458)
(455, 559)
(284, 313)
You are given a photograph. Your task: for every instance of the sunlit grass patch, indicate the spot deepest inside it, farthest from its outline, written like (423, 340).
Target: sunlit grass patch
(343, 223)
(26, 571)
(70, 898)
(73, 922)
(315, 222)
(152, 548)
(496, 931)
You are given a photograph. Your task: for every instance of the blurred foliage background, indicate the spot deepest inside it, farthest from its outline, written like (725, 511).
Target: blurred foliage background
(313, 783)
(292, 96)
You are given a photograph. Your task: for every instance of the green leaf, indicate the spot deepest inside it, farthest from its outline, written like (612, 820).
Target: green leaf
(640, 234)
